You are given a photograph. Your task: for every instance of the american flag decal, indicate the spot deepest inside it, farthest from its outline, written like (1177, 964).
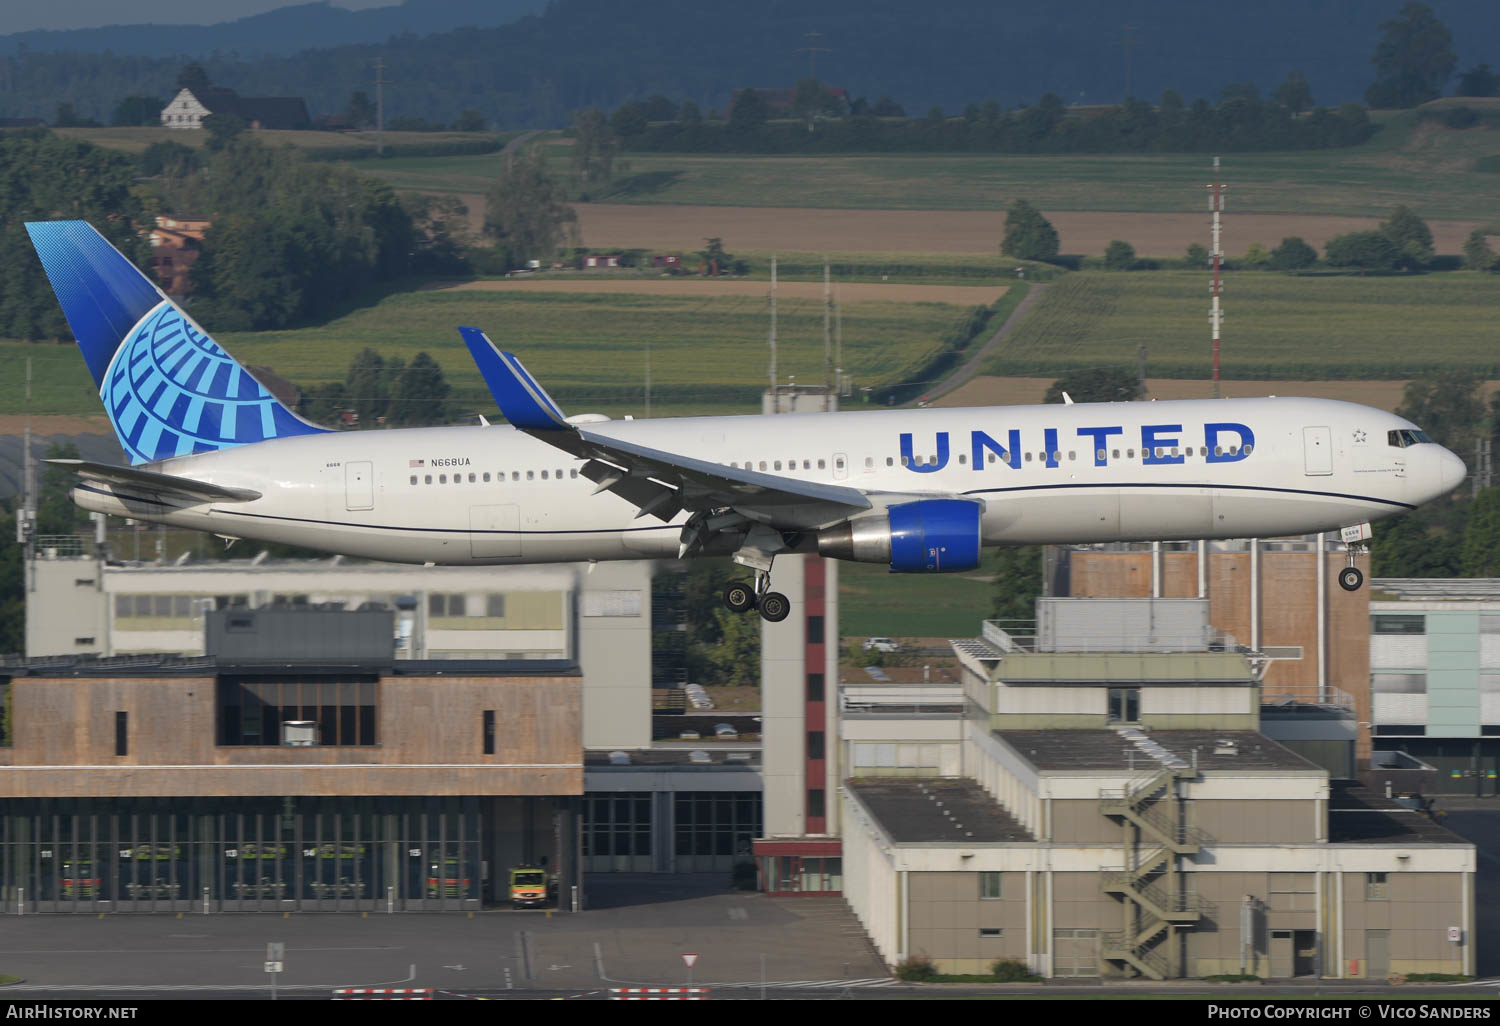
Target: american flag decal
(416, 463)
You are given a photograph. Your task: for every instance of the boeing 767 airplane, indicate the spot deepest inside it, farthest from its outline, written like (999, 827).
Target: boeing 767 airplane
(922, 491)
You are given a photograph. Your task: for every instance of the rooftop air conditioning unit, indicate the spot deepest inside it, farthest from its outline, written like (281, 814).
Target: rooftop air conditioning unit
(299, 733)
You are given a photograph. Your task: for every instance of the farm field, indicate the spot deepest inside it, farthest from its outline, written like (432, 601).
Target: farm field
(1429, 167)
(855, 292)
(1276, 326)
(987, 390)
(605, 226)
(708, 352)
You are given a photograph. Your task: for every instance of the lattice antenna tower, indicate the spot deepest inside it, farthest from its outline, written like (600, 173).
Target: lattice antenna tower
(1216, 289)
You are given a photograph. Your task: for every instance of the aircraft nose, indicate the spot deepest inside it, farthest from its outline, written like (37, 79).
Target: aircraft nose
(1451, 472)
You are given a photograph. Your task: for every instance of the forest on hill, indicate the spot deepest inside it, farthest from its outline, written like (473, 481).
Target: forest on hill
(538, 70)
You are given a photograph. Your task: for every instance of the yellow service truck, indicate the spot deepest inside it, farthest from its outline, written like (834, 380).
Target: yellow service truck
(530, 887)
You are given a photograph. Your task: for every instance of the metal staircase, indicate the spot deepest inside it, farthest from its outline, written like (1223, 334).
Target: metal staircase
(1156, 901)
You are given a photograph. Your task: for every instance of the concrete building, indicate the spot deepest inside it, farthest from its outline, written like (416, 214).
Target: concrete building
(1435, 679)
(668, 808)
(83, 603)
(296, 766)
(1276, 597)
(1092, 813)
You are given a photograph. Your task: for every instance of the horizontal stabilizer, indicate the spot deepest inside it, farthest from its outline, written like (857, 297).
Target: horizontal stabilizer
(525, 403)
(169, 484)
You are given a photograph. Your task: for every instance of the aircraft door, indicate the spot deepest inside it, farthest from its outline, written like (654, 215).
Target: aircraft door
(359, 485)
(1317, 450)
(840, 466)
(494, 531)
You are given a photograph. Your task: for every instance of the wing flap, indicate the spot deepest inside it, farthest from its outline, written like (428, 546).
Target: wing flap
(169, 484)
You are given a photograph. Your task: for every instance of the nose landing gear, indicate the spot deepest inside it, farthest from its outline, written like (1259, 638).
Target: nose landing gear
(1350, 578)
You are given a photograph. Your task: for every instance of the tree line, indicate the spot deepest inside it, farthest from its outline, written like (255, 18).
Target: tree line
(1403, 241)
(1241, 120)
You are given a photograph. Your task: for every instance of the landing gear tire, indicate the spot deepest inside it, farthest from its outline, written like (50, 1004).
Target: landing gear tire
(739, 597)
(1350, 578)
(774, 607)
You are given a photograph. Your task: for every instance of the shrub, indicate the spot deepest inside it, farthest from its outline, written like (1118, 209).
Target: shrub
(1008, 970)
(1119, 256)
(1369, 251)
(916, 969)
(1293, 255)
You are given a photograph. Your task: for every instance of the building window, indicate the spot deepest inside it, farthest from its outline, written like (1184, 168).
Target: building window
(815, 804)
(815, 687)
(617, 832)
(815, 630)
(251, 710)
(1376, 887)
(1124, 705)
(1398, 683)
(122, 733)
(494, 605)
(439, 604)
(815, 744)
(990, 886)
(991, 931)
(489, 732)
(1402, 623)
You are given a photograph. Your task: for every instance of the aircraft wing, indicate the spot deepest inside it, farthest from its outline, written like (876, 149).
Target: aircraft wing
(160, 484)
(658, 482)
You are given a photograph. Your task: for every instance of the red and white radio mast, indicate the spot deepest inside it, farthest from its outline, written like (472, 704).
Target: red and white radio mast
(1216, 315)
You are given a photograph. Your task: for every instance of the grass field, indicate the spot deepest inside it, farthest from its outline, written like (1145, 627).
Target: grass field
(708, 354)
(135, 139)
(1275, 326)
(1426, 166)
(875, 602)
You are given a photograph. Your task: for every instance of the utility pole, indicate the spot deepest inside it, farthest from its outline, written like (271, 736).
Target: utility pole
(1215, 314)
(812, 52)
(1125, 44)
(827, 329)
(773, 325)
(380, 84)
(26, 521)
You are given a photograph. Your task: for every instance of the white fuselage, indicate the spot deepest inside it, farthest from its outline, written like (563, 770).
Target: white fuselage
(1046, 474)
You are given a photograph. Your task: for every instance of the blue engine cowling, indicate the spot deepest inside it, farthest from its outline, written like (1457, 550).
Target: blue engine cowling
(934, 536)
(929, 536)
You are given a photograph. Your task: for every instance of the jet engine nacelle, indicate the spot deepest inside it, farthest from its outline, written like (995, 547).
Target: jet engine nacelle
(929, 536)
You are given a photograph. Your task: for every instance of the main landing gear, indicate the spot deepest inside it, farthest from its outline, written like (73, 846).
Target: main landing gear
(742, 596)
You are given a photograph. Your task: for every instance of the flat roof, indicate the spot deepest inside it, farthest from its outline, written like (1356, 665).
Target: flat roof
(1108, 751)
(1357, 815)
(1125, 667)
(930, 809)
(172, 665)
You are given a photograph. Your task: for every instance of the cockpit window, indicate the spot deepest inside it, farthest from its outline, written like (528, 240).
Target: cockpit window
(1405, 437)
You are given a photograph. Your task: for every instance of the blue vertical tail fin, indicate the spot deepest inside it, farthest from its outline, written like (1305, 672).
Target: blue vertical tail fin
(168, 389)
